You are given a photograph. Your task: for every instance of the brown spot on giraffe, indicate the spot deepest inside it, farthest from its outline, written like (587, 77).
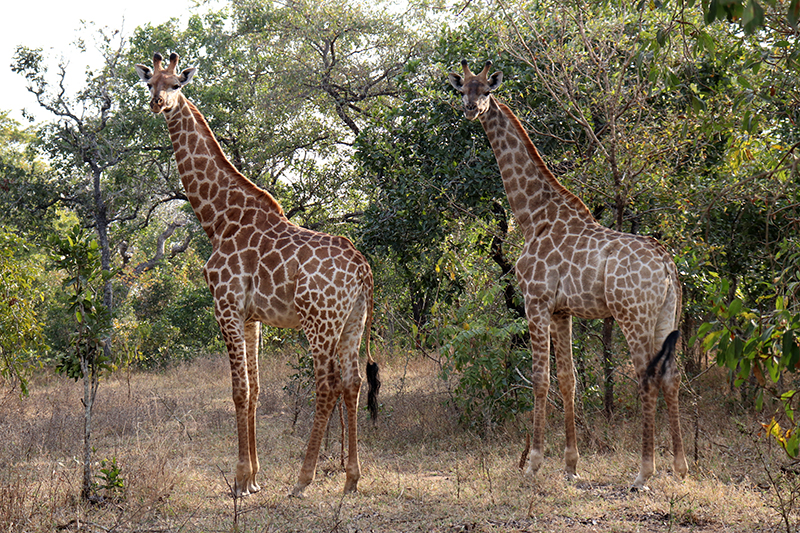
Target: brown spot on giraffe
(573, 266)
(264, 269)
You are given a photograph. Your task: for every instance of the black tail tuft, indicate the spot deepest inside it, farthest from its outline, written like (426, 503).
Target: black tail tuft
(374, 382)
(667, 353)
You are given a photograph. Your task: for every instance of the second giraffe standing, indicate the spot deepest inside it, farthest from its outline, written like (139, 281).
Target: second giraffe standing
(573, 266)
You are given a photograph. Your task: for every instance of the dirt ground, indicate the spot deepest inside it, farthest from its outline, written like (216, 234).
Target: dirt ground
(171, 436)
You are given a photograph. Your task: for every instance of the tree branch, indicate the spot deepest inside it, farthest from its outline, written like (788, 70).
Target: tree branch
(144, 266)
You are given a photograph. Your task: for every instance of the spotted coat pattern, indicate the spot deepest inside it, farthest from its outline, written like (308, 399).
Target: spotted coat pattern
(264, 269)
(573, 266)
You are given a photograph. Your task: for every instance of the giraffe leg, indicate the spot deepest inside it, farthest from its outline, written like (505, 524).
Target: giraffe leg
(351, 377)
(540, 378)
(639, 332)
(232, 331)
(648, 394)
(561, 331)
(671, 388)
(328, 390)
(353, 468)
(251, 335)
(670, 379)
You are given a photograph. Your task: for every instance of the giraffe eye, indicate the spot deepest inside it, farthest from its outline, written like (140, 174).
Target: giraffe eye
(176, 87)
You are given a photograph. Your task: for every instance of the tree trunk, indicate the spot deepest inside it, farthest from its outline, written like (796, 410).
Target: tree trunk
(86, 491)
(513, 303)
(101, 227)
(91, 380)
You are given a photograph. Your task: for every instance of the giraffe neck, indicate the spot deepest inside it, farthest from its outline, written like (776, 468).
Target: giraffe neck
(217, 191)
(534, 194)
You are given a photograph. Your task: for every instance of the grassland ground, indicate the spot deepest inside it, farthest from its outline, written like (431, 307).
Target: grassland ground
(172, 437)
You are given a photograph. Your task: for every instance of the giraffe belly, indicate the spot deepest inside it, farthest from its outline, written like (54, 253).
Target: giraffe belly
(275, 312)
(580, 294)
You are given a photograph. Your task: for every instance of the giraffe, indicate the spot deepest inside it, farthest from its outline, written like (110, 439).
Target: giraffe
(572, 266)
(264, 269)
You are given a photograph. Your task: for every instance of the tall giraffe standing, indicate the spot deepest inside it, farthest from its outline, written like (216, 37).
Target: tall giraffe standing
(265, 269)
(573, 266)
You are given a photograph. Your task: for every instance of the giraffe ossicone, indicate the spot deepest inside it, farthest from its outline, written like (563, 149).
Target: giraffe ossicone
(572, 266)
(264, 269)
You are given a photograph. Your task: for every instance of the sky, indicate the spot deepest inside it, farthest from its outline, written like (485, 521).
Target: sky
(53, 25)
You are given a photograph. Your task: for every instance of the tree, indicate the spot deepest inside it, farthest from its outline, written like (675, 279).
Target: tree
(325, 71)
(91, 148)
(432, 173)
(80, 257)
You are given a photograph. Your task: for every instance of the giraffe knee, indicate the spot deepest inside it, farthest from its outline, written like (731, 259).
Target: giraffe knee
(330, 385)
(648, 384)
(241, 398)
(540, 382)
(255, 390)
(353, 383)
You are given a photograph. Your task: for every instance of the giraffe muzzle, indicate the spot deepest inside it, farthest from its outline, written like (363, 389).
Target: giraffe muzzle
(471, 111)
(156, 104)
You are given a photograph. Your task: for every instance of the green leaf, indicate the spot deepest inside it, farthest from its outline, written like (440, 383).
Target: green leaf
(744, 369)
(752, 17)
(792, 444)
(774, 369)
(791, 352)
(734, 308)
(793, 15)
(661, 36)
(744, 82)
(711, 11)
(703, 329)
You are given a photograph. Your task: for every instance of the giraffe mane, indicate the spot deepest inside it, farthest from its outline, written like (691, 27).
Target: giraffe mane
(571, 199)
(246, 184)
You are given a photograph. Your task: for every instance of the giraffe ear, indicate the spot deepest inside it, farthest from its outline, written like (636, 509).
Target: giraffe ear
(144, 72)
(495, 80)
(186, 76)
(456, 81)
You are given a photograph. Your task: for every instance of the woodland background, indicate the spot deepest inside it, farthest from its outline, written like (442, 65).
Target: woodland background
(671, 119)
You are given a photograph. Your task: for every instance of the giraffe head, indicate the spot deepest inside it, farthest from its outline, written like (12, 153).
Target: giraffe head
(475, 88)
(164, 84)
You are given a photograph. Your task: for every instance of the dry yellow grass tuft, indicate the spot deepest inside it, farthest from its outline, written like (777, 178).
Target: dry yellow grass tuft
(172, 434)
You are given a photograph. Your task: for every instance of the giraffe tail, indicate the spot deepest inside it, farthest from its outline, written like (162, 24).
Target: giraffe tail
(665, 356)
(373, 372)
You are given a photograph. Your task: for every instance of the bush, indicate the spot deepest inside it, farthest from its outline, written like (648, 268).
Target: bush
(490, 354)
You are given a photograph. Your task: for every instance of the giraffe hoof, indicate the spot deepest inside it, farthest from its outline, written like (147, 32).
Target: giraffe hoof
(237, 491)
(297, 491)
(640, 488)
(350, 487)
(681, 468)
(572, 476)
(535, 460)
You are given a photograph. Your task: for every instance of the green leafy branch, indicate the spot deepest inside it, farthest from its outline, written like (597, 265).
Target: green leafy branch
(79, 256)
(761, 345)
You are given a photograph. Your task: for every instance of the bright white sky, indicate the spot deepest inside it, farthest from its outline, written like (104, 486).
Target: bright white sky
(53, 25)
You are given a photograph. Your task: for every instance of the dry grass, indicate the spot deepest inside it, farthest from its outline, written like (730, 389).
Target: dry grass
(172, 434)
